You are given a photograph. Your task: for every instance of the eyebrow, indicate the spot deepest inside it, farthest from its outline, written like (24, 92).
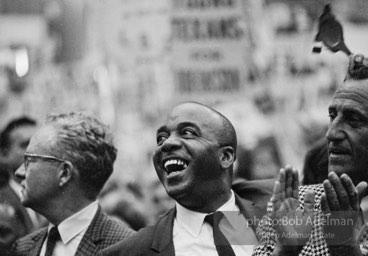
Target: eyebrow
(162, 129)
(180, 126)
(347, 109)
(188, 124)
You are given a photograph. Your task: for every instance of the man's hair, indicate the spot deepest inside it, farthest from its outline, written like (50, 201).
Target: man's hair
(14, 124)
(87, 143)
(227, 135)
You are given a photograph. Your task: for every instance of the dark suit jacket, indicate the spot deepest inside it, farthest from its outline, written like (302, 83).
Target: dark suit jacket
(256, 191)
(158, 240)
(315, 168)
(101, 233)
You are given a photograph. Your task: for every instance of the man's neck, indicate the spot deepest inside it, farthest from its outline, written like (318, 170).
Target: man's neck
(61, 210)
(207, 205)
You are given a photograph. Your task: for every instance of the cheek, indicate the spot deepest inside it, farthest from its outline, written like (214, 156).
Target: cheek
(361, 145)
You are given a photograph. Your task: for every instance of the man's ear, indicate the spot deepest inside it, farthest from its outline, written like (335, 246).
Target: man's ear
(227, 156)
(66, 173)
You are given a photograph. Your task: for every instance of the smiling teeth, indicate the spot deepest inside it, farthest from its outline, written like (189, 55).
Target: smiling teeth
(177, 162)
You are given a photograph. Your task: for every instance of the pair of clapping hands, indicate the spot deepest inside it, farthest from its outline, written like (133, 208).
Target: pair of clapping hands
(340, 203)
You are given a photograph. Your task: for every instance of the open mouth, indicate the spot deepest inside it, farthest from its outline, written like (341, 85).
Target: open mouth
(175, 165)
(337, 151)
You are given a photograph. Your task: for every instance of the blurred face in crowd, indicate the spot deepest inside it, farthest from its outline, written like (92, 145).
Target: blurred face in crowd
(188, 155)
(348, 130)
(19, 140)
(39, 175)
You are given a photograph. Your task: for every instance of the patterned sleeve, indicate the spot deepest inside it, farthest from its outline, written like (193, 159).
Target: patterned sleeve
(266, 235)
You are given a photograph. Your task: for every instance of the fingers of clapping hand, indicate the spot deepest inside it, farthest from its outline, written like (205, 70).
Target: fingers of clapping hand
(331, 196)
(289, 182)
(282, 180)
(295, 184)
(351, 191)
(324, 204)
(287, 186)
(341, 194)
(276, 197)
(362, 190)
(341, 191)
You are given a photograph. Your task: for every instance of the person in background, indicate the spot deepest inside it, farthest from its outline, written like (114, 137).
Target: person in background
(194, 157)
(66, 164)
(333, 214)
(14, 139)
(11, 228)
(14, 219)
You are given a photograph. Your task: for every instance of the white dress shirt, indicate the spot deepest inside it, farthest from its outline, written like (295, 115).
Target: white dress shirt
(192, 236)
(72, 231)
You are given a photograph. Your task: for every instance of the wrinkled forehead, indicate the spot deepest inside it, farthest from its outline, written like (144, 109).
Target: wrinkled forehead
(194, 113)
(355, 90)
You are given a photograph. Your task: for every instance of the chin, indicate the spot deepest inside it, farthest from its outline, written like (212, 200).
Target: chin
(177, 193)
(339, 169)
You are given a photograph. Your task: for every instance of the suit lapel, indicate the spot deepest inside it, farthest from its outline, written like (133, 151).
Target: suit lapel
(163, 235)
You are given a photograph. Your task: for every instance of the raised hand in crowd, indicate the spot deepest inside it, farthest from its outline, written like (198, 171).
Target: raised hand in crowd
(292, 222)
(343, 220)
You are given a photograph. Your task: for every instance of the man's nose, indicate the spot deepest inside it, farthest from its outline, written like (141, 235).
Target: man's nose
(20, 172)
(171, 143)
(335, 130)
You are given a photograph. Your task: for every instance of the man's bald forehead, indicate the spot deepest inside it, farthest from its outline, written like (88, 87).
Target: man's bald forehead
(199, 108)
(226, 132)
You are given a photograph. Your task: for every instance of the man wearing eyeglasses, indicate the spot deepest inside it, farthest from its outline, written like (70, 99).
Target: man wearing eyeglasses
(66, 164)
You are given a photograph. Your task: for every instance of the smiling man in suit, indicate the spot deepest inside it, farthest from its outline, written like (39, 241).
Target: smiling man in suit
(194, 157)
(66, 164)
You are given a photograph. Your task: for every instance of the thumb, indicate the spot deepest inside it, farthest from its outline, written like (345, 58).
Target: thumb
(362, 190)
(309, 201)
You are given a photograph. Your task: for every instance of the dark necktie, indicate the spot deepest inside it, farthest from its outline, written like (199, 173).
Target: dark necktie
(223, 246)
(53, 237)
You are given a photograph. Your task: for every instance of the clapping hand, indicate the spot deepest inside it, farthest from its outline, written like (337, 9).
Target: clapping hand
(341, 205)
(292, 224)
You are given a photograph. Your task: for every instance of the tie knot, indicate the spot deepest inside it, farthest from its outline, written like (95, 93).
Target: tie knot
(54, 234)
(214, 218)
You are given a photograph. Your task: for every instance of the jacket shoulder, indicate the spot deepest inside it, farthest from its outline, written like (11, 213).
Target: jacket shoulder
(133, 245)
(256, 191)
(110, 230)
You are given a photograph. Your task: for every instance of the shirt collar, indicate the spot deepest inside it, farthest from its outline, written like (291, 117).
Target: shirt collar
(72, 226)
(192, 221)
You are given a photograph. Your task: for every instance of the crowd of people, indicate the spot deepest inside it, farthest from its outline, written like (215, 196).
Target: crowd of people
(51, 177)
